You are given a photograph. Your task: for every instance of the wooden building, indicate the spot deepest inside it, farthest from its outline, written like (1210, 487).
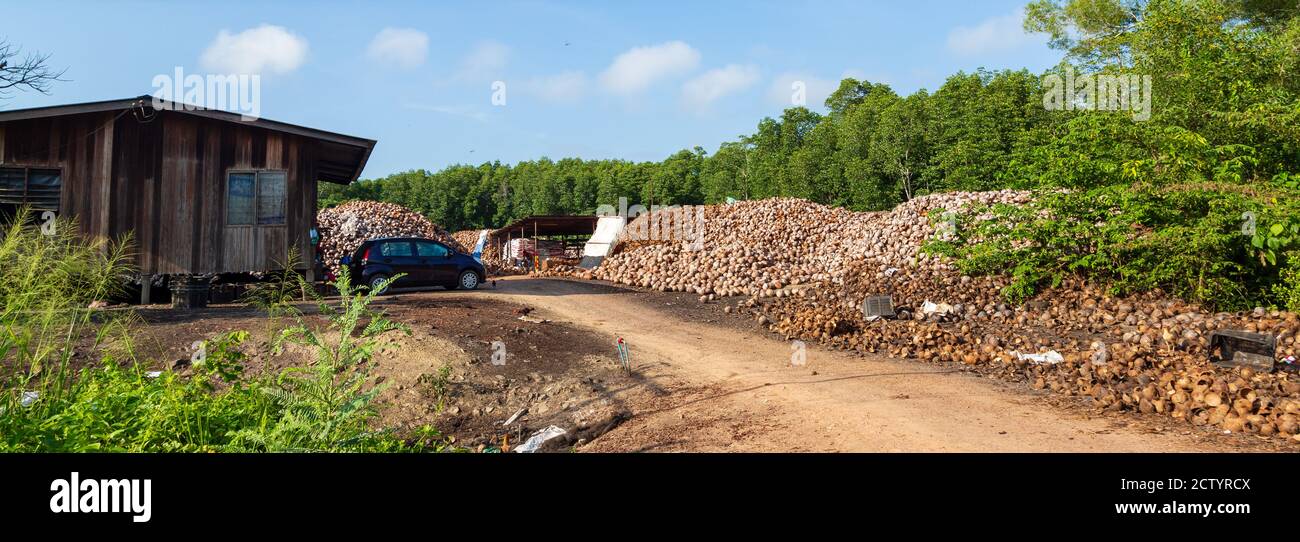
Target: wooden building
(201, 191)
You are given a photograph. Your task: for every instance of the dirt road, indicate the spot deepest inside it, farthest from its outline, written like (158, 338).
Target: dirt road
(733, 387)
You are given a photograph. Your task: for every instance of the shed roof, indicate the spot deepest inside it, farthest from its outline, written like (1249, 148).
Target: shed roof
(354, 150)
(550, 225)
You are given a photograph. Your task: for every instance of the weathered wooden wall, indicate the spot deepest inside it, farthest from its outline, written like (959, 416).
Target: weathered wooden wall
(164, 182)
(78, 145)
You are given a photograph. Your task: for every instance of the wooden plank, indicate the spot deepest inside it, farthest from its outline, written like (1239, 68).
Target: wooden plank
(212, 214)
(176, 234)
(137, 184)
(77, 195)
(243, 148)
(239, 249)
(44, 140)
(274, 151)
(155, 206)
(103, 176)
(299, 189)
(197, 183)
(65, 140)
(257, 144)
(307, 179)
(272, 246)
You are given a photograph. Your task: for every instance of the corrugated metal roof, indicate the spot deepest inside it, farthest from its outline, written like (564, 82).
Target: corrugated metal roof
(550, 225)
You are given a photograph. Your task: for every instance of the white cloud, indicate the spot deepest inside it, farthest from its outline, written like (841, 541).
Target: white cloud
(717, 83)
(468, 112)
(267, 48)
(815, 89)
(565, 87)
(487, 59)
(639, 67)
(404, 47)
(1000, 33)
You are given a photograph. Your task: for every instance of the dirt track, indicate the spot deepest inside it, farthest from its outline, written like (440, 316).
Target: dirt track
(732, 387)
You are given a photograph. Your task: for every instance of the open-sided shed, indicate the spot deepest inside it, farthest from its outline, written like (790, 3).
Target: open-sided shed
(570, 230)
(548, 226)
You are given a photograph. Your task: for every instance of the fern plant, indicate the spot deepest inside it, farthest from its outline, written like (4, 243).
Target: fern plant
(328, 404)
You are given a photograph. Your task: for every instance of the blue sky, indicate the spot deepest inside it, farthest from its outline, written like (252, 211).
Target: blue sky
(615, 79)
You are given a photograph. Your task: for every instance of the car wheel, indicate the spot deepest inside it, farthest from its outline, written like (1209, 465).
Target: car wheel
(376, 282)
(468, 281)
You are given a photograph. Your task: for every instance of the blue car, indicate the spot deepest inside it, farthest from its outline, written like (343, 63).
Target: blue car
(423, 262)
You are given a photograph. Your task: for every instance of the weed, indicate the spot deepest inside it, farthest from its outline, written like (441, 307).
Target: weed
(439, 385)
(327, 405)
(47, 287)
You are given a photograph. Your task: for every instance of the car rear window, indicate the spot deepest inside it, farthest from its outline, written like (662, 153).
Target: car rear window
(425, 250)
(395, 248)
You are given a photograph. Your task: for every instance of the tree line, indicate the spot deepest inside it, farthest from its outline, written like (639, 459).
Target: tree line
(1220, 76)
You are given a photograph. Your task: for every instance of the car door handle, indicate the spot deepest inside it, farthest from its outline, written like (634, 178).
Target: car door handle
(388, 260)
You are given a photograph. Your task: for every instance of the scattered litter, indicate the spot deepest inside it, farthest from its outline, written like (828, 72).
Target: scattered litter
(153, 374)
(1050, 357)
(537, 439)
(878, 306)
(1239, 348)
(624, 357)
(941, 309)
(1099, 353)
(533, 319)
(30, 397)
(890, 272)
(515, 416)
(1288, 364)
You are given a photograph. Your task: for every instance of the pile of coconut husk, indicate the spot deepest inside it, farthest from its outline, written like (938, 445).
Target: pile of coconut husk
(1144, 353)
(344, 228)
(467, 239)
(762, 247)
(807, 270)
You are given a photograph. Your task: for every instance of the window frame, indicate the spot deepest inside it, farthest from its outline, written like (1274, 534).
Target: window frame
(27, 184)
(447, 251)
(409, 244)
(257, 195)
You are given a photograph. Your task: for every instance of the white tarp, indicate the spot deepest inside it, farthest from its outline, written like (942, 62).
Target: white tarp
(534, 442)
(607, 230)
(478, 247)
(936, 308)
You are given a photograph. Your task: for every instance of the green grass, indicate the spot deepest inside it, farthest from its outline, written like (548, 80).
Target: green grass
(114, 404)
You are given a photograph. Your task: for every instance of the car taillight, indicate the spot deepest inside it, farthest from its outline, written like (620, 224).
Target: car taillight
(366, 256)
